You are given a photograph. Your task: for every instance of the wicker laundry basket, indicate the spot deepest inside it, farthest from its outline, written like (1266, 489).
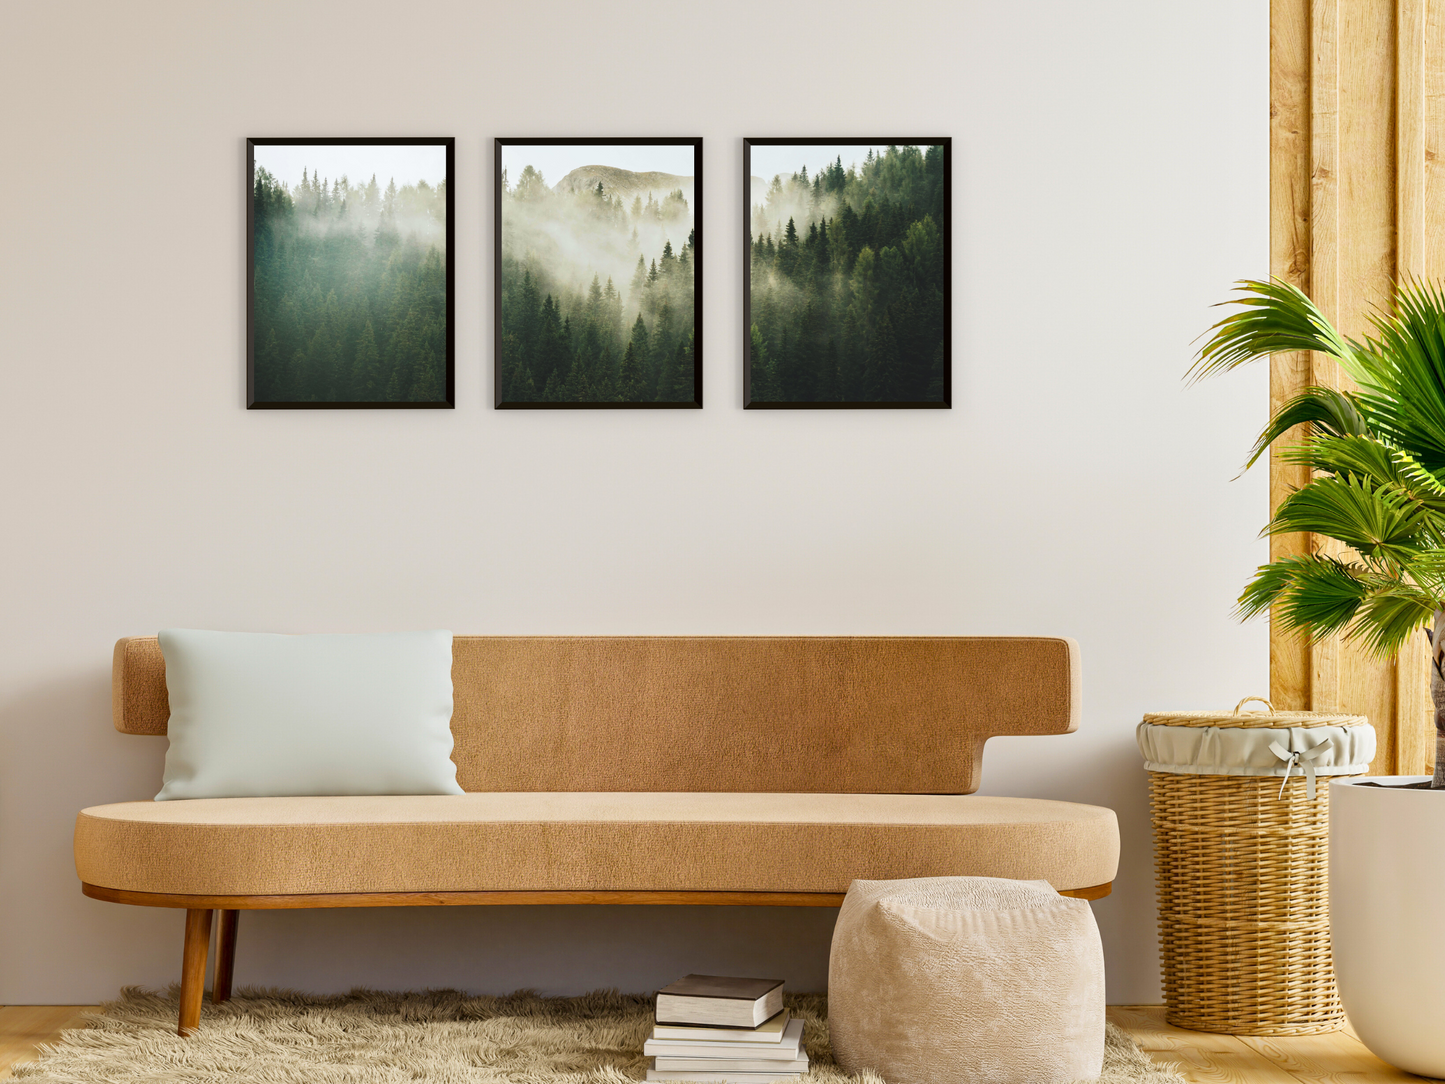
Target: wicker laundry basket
(1242, 868)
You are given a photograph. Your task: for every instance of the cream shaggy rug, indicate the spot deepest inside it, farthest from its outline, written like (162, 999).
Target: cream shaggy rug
(440, 1037)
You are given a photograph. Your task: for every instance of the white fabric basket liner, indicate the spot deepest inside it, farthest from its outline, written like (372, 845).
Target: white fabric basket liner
(1226, 750)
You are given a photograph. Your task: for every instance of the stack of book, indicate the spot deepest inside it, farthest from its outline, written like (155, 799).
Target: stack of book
(711, 1028)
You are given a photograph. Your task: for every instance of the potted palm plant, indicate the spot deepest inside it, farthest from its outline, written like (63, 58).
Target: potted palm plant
(1377, 487)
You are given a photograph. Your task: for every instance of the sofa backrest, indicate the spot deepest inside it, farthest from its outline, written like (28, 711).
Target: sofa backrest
(847, 714)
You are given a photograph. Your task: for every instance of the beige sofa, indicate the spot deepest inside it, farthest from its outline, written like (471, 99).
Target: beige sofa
(659, 770)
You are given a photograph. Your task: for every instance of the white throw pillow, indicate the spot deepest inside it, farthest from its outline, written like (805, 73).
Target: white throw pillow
(258, 714)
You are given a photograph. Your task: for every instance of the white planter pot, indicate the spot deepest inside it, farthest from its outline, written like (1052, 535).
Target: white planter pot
(1387, 888)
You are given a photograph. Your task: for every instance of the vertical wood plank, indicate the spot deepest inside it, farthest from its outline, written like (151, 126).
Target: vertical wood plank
(1418, 757)
(1367, 261)
(1366, 141)
(1410, 138)
(1289, 247)
(1433, 138)
(1413, 723)
(1324, 273)
(1417, 751)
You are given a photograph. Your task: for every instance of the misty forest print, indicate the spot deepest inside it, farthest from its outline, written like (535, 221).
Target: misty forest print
(848, 274)
(597, 274)
(349, 273)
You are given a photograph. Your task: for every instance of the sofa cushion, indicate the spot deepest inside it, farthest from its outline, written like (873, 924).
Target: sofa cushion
(256, 714)
(587, 841)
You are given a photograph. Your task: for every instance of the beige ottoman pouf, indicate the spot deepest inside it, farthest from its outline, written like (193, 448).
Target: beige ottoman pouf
(966, 980)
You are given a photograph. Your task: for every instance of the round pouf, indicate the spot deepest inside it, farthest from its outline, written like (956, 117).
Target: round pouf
(966, 980)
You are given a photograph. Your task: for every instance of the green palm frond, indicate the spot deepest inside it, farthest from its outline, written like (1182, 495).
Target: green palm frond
(1377, 521)
(1375, 462)
(1317, 596)
(1274, 317)
(1424, 485)
(1404, 387)
(1427, 569)
(1312, 594)
(1391, 616)
(1325, 410)
(1364, 457)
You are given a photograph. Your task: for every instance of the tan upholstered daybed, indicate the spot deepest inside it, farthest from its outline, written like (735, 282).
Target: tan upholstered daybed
(681, 770)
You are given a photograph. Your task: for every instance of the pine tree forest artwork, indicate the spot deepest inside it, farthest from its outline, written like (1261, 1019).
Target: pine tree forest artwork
(598, 273)
(349, 255)
(847, 273)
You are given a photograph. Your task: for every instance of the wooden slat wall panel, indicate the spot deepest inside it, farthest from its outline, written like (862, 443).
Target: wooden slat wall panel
(1410, 137)
(1366, 239)
(1325, 267)
(1357, 190)
(1289, 217)
(1414, 715)
(1432, 135)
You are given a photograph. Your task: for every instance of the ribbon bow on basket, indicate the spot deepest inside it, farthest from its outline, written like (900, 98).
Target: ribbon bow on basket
(1303, 759)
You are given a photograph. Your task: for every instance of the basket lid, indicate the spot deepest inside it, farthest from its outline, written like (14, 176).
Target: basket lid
(1241, 718)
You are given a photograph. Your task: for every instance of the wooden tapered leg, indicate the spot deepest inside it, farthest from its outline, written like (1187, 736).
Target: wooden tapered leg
(193, 968)
(225, 956)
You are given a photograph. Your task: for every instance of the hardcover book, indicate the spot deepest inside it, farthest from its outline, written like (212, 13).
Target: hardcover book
(770, 1031)
(719, 1001)
(788, 1049)
(733, 1065)
(721, 1078)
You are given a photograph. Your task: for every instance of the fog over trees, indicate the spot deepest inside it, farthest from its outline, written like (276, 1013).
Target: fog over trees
(596, 289)
(350, 291)
(847, 276)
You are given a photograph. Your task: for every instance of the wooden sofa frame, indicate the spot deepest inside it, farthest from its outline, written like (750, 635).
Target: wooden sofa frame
(199, 911)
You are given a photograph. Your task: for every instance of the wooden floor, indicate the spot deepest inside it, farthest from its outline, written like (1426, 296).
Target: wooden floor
(1336, 1058)
(23, 1027)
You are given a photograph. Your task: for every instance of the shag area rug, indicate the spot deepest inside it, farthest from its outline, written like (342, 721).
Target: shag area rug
(440, 1036)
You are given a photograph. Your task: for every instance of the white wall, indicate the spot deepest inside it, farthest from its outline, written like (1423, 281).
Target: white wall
(1110, 182)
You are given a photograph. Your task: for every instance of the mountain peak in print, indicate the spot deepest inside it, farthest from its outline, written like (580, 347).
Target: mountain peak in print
(624, 182)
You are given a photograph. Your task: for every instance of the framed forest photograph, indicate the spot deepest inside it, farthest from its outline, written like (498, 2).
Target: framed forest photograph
(598, 273)
(847, 295)
(349, 273)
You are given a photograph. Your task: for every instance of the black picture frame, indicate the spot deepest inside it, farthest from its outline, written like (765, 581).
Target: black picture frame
(500, 401)
(447, 400)
(945, 401)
